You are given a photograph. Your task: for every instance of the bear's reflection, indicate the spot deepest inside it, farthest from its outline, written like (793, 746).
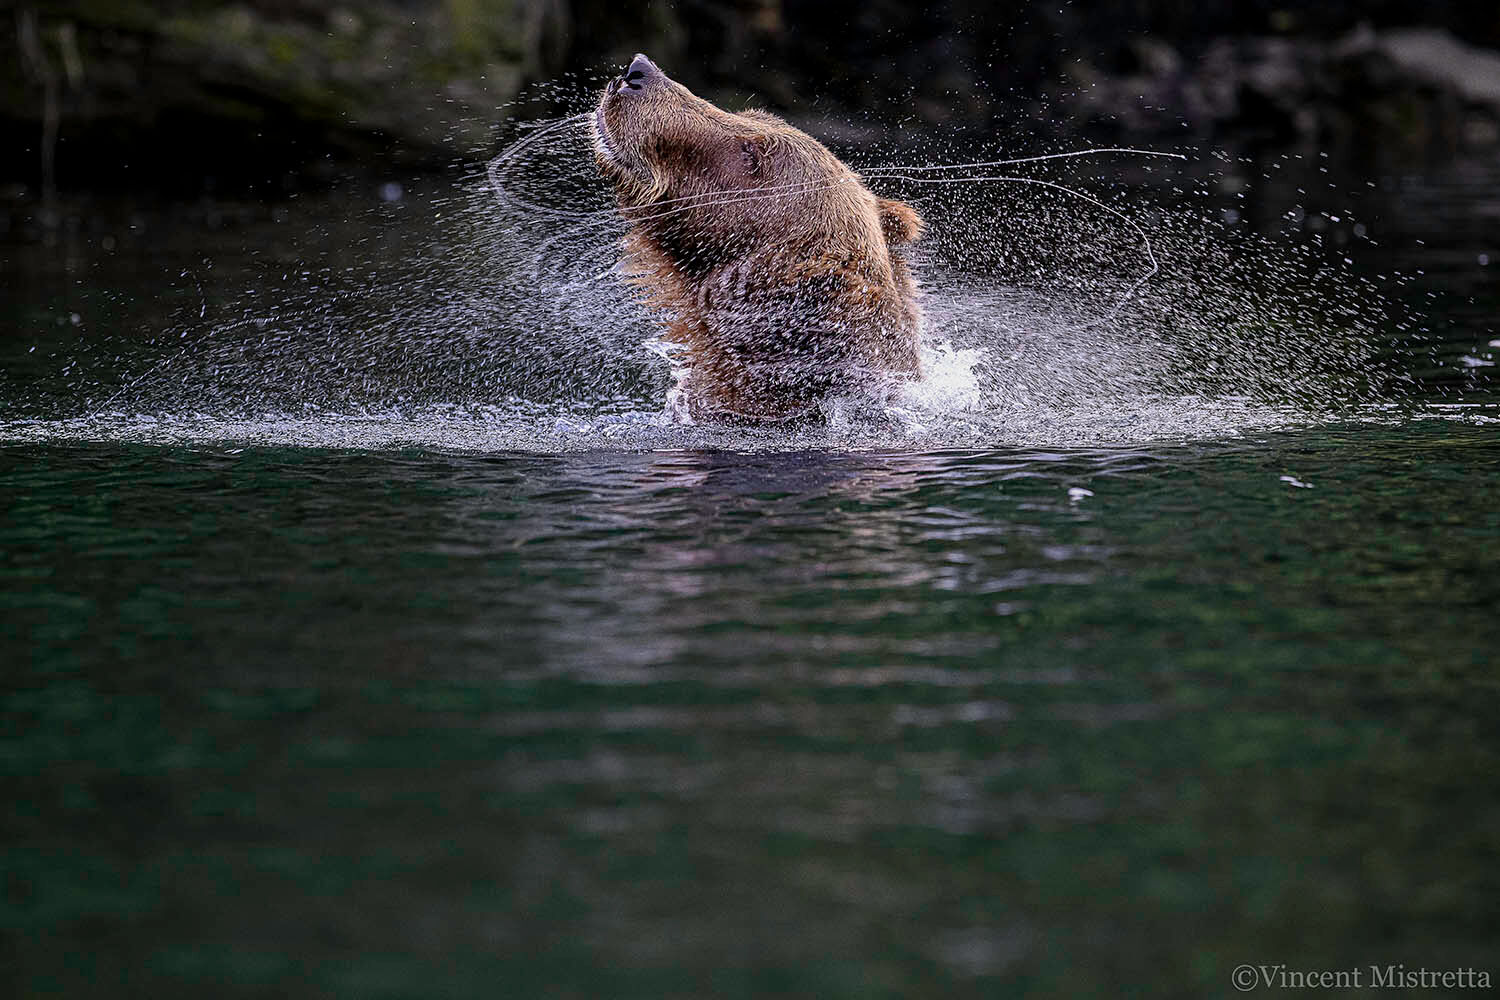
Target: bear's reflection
(609, 565)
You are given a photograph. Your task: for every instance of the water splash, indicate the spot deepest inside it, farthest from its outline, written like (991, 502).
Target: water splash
(1062, 307)
(521, 425)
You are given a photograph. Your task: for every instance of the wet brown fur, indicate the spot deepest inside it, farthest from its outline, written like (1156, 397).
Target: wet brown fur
(777, 272)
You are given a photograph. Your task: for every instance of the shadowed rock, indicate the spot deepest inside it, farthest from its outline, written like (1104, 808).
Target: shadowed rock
(158, 86)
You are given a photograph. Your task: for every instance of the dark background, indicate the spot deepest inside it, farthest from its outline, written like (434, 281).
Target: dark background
(183, 96)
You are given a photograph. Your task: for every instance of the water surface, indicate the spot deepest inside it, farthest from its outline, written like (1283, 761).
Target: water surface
(469, 695)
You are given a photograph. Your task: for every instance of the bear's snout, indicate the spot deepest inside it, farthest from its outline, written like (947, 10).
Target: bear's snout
(640, 74)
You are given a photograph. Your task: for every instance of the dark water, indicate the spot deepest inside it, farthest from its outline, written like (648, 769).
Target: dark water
(365, 720)
(412, 724)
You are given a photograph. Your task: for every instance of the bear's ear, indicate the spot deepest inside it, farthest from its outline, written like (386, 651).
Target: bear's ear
(753, 153)
(899, 221)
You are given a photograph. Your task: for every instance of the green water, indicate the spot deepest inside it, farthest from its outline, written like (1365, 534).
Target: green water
(476, 702)
(318, 722)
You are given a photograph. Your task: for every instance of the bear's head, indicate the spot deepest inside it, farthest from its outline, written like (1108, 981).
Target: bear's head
(713, 186)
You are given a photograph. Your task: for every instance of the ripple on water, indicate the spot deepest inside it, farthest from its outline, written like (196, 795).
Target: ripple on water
(562, 428)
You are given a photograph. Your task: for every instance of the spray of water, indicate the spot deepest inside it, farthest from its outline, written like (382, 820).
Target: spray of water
(1060, 310)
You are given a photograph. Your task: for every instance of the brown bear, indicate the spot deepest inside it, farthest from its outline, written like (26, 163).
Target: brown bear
(777, 267)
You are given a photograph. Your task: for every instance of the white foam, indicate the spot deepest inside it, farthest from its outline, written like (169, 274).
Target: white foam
(523, 426)
(950, 380)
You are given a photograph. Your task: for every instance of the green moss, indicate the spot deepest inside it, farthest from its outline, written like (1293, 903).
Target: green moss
(385, 68)
(283, 50)
(478, 30)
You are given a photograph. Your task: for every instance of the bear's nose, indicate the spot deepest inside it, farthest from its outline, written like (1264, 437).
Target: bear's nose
(640, 72)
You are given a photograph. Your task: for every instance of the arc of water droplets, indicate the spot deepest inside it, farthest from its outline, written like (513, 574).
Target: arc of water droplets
(1146, 246)
(161, 365)
(498, 170)
(1070, 154)
(1153, 269)
(903, 173)
(498, 173)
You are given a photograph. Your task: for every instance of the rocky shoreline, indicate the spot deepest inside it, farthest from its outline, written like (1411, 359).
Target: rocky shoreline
(1416, 88)
(156, 93)
(162, 87)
